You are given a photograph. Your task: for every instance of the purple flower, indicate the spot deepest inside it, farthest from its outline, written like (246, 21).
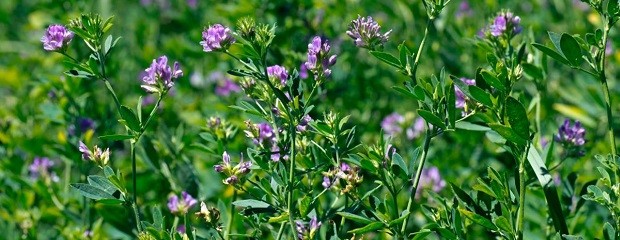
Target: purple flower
(391, 124)
(327, 182)
(463, 10)
(265, 132)
(571, 135)
(278, 72)
(41, 167)
(303, 71)
(82, 125)
(228, 86)
(430, 178)
(319, 60)
(461, 99)
(416, 129)
(304, 232)
(181, 206)
(303, 123)
(159, 77)
(233, 173)
(56, 38)
(216, 38)
(98, 155)
(86, 155)
(505, 23)
(367, 33)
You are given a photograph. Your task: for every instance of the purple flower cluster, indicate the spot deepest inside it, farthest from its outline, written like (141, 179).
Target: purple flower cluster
(307, 232)
(505, 23)
(216, 38)
(367, 33)
(319, 60)
(350, 176)
(461, 99)
(430, 178)
(56, 38)
(277, 73)
(98, 155)
(233, 173)
(181, 205)
(392, 124)
(572, 137)
(41, 168)
(159, 77)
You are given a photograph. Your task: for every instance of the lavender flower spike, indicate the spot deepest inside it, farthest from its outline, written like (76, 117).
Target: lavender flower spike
(56, 38)
(367, 33)
(216, 38)
(319, 60)
(278, 72)
(159, 77)
(505, 23)
(181, 206)
(571, 135)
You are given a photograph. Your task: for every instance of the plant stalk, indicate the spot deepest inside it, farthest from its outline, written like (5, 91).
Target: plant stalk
(134, 203)
(603, 78)
(291, 187)
(521, 211)
(416, 180)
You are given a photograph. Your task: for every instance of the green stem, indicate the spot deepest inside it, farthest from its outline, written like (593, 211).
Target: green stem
(148, 120)
(231, 214)
(416, 180)
(603, 78)
(111, 90)
(521, 211)
(281, 231)
(134, 203)
(419, 52)
(291, 175)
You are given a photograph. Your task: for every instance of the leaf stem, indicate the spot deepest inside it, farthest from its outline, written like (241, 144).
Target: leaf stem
(134, 203)
(414, 69)
(521, 211)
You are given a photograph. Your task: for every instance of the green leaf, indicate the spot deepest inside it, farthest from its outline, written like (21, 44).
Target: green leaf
(131, 121)
(387, 58)
(571, 49)
(551, 53)
(549, 189)
(404, 53)
(251, 203)
(465, 198)
(400, 219)
(480, 220)
(431, 118)
(609, 233)
(158, 219)
(532, 71)
(492, 80)
(398, 161)
(355, 218)
(508, 133)
(107, 45)
(471, 126)
(407, 93)
(517, 117)
(503, 224)
(102, 183)
(481, 96)
(612, 7)
(368, 228)
(91, 191)
(116, 137)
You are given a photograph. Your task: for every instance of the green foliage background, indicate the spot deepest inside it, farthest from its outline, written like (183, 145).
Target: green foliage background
(39, 103)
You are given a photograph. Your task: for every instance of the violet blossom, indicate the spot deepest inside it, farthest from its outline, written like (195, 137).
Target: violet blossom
(159, 77)
(56, 38)
(181, 205)
(216, 38)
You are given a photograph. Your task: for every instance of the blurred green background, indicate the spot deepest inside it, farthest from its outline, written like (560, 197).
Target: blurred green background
(40, 105)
